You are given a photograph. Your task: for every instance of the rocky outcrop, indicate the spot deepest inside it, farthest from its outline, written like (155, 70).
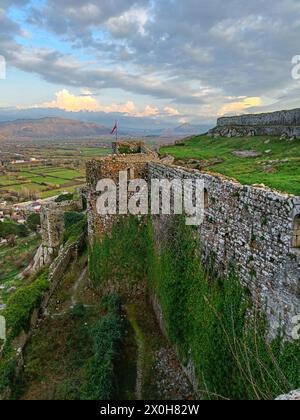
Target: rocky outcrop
(285, 124)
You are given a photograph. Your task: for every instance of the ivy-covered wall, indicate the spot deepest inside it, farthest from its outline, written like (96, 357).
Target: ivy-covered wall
(205, 316)
(252, 228)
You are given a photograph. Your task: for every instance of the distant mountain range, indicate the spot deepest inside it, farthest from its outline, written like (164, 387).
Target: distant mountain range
(184, 130)
(55, 128)
(50, 128)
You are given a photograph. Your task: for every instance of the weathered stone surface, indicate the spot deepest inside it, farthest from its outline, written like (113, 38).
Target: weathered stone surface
(171, 381)
(251, 227)
(278, 118)
(285, 124)
(292, 396)
(131, 147)
(52, 232)
(136, 166)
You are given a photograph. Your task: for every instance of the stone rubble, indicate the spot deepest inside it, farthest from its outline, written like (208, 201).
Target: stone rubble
(171, 382)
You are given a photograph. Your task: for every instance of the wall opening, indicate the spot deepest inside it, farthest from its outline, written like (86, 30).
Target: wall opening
(296, 232)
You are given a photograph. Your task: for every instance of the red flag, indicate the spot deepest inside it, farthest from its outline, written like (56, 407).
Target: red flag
(115, 128)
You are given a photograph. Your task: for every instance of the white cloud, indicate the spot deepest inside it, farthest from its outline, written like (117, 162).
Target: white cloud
(240, 106)
(85, 102)
(172, 112)
(191, 54)
(132, 21)
(68, 102)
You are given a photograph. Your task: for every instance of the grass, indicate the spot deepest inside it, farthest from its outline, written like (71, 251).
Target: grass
(71, 356)
(56, 355)
(94, 152)
(278, 167)
(21, 305)
(14, 260)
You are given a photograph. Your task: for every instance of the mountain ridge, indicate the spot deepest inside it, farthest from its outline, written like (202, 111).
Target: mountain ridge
(48, 128)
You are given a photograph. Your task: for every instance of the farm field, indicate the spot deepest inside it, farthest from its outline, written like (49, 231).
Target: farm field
(62, 169)
(276, 165)
(41, 181)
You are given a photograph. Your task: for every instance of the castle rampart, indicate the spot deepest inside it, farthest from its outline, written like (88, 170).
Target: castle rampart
(251, 227)
(279, 123)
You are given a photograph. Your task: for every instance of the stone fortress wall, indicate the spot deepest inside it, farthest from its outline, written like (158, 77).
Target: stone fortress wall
(136, 166)
(254, 228)
(285, 124)
(52, 231)
(256, 231)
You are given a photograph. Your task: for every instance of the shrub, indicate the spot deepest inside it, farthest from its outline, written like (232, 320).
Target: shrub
(111, 303)
(78, 311)
(75, 225)
(72, 218)
(7, 369)
(120, 257)
(64, 197)
(67, 390)
(100, 370)
(33, 221)
(21, 305)
(9, 228)
(207, 316)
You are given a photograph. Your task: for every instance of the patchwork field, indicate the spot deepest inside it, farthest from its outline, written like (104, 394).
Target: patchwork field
(40, 180)
(274, 162)
(62, 170)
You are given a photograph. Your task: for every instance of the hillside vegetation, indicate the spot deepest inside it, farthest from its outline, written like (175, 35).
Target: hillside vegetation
(276, 163)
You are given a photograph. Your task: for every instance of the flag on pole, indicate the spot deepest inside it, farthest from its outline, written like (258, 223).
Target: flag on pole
(115, 129)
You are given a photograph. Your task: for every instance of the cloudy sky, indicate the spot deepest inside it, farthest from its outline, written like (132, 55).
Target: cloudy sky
(171, 60)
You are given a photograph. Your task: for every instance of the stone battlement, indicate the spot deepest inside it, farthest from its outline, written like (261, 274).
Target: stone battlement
(279, 123)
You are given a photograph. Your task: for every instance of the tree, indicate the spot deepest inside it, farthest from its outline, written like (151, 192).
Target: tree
(33, 221)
